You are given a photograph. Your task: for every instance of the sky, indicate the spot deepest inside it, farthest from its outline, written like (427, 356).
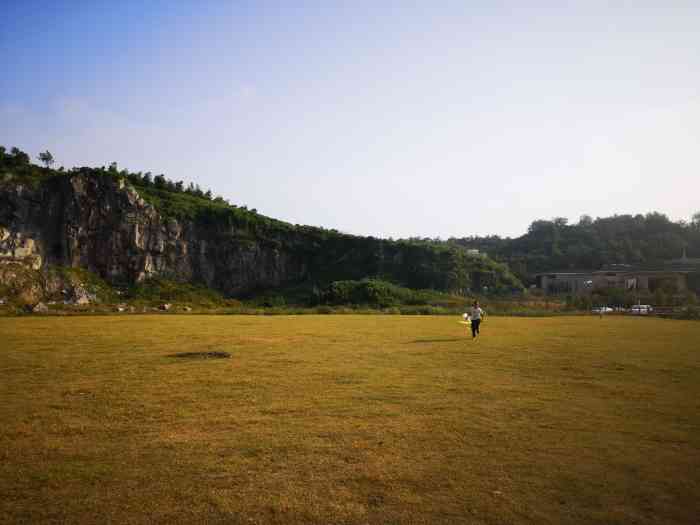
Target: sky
(392, 119)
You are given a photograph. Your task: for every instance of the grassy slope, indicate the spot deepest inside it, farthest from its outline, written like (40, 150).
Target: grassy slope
(349, 419)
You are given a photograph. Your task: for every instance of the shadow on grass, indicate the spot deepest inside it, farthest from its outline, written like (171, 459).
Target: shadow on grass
(442, 340)
(201, 355)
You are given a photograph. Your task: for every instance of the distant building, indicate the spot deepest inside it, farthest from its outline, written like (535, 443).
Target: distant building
(565, 282)
(645, 280)
(685, 262)
(626, 279)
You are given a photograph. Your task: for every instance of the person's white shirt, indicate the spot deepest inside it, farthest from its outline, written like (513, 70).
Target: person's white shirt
(476, 313)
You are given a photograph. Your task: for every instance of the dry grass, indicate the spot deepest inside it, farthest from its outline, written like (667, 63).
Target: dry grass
(349, 419)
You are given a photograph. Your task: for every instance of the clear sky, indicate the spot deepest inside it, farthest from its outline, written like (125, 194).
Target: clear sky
(374, 118)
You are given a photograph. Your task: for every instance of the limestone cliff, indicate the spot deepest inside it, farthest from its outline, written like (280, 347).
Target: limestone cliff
(100, 222)
(103, 225)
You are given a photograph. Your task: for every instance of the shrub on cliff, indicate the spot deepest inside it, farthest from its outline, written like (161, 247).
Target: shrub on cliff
(691, 312)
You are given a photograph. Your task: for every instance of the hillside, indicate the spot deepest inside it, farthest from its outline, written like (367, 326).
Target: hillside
(127, 228)
(650, 240)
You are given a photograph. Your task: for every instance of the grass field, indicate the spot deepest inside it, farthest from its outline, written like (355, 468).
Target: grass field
(349, 419)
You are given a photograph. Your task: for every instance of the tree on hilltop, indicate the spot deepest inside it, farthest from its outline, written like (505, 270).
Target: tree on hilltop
(695, 221)
(20, 158)
(46, 158)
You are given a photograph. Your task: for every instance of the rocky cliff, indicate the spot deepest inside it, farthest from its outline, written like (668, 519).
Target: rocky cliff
(101, 222)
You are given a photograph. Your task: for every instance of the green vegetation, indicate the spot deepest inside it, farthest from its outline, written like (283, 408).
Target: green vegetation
(16, 165)
(368, 296)
(349, 419)
(167, 291)
(641, 240)
(373, 296)
(46, 158)
(690, 313)
(19, 283)
(85, 279)
(365, 293)
(379, 293)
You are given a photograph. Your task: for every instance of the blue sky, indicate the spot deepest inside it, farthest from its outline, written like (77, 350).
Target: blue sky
(438, 119)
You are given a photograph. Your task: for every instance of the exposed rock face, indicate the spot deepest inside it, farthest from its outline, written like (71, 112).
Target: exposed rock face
(16, 246)
(40, 308)
(20, 281)
(103, 225)
(100, 223)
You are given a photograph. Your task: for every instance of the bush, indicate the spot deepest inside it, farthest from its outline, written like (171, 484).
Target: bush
(271, 301)
(323, 309)
(163, 290)
(392, 311)
(376, 293)
(233, 303)
(690, 312)
(420, 310)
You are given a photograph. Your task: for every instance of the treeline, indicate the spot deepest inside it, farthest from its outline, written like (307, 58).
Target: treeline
(638, 240)
(19, 163)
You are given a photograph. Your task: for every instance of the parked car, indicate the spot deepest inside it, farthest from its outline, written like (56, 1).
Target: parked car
(601, 310)
(641, 309)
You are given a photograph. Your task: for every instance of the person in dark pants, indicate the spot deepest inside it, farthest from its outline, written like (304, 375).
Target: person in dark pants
(476, 314)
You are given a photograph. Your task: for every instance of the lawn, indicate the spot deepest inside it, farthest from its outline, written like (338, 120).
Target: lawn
(349, 419)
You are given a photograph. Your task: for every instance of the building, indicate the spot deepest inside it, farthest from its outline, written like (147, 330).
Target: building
(685, 262)
(626, 279)
(643, 280)
(565, 282)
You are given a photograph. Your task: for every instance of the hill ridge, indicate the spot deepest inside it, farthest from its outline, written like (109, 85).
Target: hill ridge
(126, 228)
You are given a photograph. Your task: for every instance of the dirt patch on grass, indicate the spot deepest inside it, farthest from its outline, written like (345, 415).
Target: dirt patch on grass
(201, 355)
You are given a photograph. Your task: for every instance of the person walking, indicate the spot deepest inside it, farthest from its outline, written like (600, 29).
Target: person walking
(476, 314)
